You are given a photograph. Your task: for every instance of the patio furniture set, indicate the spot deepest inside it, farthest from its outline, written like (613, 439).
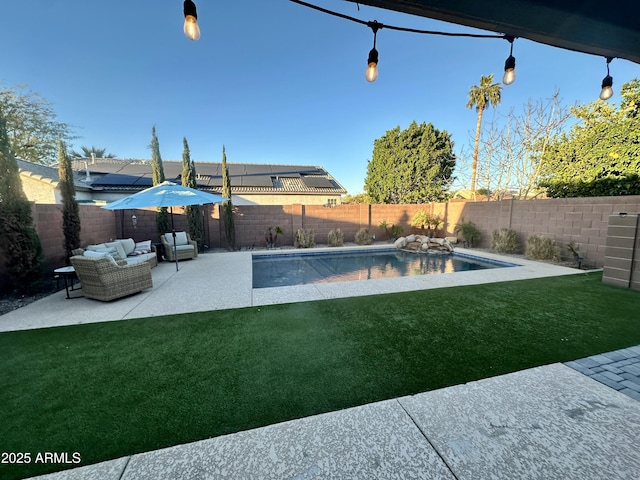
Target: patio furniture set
(120, 268)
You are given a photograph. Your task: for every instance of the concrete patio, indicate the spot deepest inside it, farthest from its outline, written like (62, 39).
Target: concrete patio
(547, 422)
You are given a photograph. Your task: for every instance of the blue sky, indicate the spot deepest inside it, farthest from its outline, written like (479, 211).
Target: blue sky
(273, 81)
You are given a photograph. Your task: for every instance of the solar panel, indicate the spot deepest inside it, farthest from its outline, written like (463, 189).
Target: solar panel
(256, 181)
(144, 181)
(116, 179)
(317, 182)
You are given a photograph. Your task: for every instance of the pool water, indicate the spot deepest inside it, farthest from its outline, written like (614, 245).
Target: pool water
(279, 270)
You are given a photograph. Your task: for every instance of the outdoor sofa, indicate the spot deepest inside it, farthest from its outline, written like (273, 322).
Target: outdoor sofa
(185, 247)
(125, 249)
(105, 279)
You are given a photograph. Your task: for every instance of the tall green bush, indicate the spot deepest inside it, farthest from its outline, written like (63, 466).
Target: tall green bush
(70, 210)
(157, 176)
(19, 242)
(194, 215)
(227, 206)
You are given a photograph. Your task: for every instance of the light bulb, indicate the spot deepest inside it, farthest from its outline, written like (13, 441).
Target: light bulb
(607, 83)
(606, 93)
(509, 70)
(191, 28)
(509, 76)
(371, 74)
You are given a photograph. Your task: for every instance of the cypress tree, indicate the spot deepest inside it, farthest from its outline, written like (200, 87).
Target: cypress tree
(227, 206)
(70, 209)
(189, 180)
(19, 242)
(157, 171)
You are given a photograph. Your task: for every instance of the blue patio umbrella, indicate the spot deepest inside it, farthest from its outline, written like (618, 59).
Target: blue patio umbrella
(166, 194)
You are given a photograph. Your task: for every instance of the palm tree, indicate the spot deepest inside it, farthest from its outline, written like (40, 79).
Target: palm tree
(87, 151)
(481, 96)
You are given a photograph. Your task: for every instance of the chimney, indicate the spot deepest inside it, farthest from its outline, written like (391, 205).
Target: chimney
(93, 159)
(86, 166)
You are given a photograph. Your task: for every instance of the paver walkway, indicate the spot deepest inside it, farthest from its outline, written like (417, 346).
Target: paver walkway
(619, 369)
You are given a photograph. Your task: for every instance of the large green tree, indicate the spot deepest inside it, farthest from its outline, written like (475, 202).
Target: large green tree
(157, 176)
(70, 209)
(481, 96)
(600, 155)
(194, 215)
(32, 127)
(86, 152)
(227, 206)
(410, 166)
(19, 242)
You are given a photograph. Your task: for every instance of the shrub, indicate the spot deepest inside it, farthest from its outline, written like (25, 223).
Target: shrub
(423, 219)
(364, 237)
(542, 248)
(336, 238)
(305, 238)
(469, 232)
(505, 240)
(396, 231)
(392, 231)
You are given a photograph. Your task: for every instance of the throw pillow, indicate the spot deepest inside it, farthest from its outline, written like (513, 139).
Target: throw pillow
(143, 246)
(119, 248)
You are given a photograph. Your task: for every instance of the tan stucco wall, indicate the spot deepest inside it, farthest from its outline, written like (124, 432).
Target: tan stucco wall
(38, 190)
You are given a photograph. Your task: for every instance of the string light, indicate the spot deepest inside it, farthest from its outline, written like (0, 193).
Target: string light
(191, 28)
(509, 65)
(607, 83)
(371, 74)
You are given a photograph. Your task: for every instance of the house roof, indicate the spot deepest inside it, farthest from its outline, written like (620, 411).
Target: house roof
(46, 173)
(117, 174)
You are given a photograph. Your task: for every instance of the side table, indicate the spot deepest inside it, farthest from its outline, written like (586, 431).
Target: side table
(68, 275)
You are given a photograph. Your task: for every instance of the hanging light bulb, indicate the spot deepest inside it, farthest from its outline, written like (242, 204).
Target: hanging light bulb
(607, 82)
(191, 28)
(509, 65)
(371, 74)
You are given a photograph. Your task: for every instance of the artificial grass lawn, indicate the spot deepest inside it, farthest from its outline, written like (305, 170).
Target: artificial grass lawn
(112, 389)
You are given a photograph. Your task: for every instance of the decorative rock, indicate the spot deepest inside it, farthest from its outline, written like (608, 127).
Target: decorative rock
(400, 242)
(424, 246)
(451, 240)
(411, 238)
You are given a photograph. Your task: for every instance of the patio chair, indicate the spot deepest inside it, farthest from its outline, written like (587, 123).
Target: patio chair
(103, 279)
(185, 247)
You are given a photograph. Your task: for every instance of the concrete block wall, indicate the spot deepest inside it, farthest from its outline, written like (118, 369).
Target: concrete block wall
(581, 220)
(621, 262)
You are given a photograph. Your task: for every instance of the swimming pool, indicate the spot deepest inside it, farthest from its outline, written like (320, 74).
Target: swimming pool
(279, 270)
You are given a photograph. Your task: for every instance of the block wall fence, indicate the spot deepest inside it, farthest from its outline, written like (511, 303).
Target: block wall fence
(581, 220)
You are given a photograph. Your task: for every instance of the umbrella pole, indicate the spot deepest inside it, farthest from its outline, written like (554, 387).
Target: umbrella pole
(173, 231)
